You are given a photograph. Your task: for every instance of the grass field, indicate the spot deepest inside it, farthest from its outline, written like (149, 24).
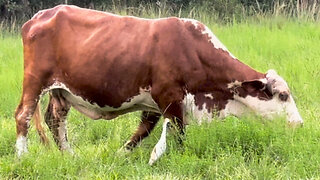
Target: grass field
(246, 148)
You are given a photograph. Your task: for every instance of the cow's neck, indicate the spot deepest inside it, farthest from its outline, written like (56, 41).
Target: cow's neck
(212, 96)
(229, 68)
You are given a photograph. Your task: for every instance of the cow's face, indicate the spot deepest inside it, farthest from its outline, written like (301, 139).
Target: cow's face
(267, 97)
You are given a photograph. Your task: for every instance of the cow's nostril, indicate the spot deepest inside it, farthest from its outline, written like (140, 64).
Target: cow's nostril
(283, 96)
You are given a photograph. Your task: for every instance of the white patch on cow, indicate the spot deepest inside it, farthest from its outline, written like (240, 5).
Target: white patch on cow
(21, 145)
(215, 41)
(293, 114)
(55, 85)
(161, 146)
(278, 83)
(272, 108)
(62, 133)
(193, 21)
(271, 73)
(263, 80)
(264, 108)
(209, 95)
(194, 111)
(212, 38)
(234, 84)
(235, 108)
(142, 101)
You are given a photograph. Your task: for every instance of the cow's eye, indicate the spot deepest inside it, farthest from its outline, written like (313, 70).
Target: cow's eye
(283, 96)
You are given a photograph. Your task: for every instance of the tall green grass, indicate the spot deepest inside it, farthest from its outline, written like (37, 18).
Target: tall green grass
(245, 148)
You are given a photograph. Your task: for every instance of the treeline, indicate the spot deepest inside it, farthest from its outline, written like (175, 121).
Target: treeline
(224, 9)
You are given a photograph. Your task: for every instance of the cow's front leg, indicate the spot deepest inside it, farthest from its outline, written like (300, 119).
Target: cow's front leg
(148, 122)
(55, 118)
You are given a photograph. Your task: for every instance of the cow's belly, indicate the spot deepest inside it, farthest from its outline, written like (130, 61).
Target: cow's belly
(141, 102)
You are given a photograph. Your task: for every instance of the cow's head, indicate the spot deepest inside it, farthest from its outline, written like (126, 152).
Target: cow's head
(268, 97)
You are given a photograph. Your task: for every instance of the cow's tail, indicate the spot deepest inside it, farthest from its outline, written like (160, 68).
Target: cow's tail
(37, 121)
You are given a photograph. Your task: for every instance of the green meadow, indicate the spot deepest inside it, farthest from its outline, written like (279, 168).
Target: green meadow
(234, 148)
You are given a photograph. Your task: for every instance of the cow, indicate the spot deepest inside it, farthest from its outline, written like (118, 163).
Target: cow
(106, 65)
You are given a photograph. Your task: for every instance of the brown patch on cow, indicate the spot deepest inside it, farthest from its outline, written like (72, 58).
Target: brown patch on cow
(254, 88)
(217, 102)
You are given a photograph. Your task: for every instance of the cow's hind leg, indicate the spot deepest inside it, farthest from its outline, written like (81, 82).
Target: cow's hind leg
(148, 122)
(23, 116)
(55, 117)
(25, 110)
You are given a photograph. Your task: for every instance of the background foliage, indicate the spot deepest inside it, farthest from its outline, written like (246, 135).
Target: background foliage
(224, 9)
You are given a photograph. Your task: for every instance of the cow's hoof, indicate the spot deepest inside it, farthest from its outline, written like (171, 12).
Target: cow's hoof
(68, 151)
(124, 150)
(21, 146)
(21, 153)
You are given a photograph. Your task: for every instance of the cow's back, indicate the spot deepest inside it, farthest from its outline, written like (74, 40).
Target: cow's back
(103, 57)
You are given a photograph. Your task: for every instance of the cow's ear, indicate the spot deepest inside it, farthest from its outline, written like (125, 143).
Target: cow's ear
(254, 85)
(258, 88)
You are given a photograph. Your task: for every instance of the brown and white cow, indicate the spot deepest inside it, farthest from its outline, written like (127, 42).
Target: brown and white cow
(105, 65)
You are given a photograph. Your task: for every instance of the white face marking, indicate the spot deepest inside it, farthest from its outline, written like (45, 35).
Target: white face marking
(240, 106)
(292, 112)
(235, 108)
(278, 83)
(21, 145)
(267, 108)
(271, 108)
(161, 146)
(94, 111)
(264, 108)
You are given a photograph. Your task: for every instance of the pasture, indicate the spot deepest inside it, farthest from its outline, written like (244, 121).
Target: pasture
(246, 148)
